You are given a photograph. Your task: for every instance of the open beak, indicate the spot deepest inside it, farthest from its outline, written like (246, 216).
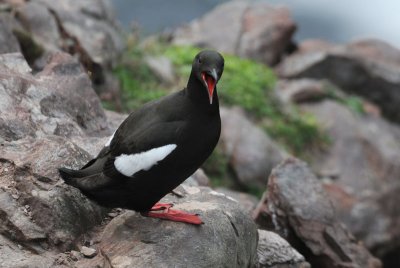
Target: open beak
(210, 79)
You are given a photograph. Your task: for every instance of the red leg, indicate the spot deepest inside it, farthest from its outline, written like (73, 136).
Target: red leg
(161, 206)
(172, 214)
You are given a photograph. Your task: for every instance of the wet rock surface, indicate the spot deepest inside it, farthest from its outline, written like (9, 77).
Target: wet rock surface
(296, 206)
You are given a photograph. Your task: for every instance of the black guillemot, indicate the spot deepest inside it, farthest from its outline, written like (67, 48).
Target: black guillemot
(157, 147)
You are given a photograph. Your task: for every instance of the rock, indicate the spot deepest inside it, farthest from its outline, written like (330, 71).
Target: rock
(254, 30)
(246, 201)
(115, 119)
(300, 91)
(201, 178)
(40, 115)
(8, 41)
(251, 153)
(162, 68)
(296, 206)
(274, 251)
(57, 101)
(88, 252)
(58, 213)
(75, 255)
(362, 165)
(41, 23)
(13, 256)
(369, 68)
(86, 29)
(228, 237)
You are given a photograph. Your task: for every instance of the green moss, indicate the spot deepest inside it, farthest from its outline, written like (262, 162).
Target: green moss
(139, 85)
(30, 48)
(353, 102)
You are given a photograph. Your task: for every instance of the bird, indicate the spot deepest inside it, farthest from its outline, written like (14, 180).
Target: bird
(157, 147)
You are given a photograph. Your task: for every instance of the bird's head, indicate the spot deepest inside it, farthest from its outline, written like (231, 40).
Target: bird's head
(208, 66)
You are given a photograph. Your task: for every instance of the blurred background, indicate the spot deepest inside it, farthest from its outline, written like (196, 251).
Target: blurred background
(336, 21)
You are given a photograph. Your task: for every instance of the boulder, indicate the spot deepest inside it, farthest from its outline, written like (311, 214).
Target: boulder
(296, 206)
(57, 101)
(8, 41)
(246, 201)
(40, 115)
(251, 153)
(86, 29)
(299, 91)
(362, 167)
(36, 206)
(369, 68)
(228, 237)
(254, 30)
(275, 252)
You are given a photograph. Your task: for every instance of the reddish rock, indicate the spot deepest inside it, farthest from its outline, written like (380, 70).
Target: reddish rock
(255, 30)
(296, 206)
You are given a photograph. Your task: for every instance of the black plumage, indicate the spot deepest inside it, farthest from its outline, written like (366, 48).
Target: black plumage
(188, 119)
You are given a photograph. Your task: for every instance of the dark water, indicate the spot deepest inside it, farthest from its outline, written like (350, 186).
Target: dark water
(333, 20)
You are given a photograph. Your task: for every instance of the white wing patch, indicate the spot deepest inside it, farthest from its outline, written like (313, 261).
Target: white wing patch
(130, 164)
(109, 140)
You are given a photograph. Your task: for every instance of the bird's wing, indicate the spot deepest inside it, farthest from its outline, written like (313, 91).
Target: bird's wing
(141, 148)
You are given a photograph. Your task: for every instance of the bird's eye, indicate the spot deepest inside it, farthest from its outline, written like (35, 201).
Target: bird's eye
(199, 60)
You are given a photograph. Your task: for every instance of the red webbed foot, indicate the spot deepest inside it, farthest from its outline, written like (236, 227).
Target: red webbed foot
(164, 211)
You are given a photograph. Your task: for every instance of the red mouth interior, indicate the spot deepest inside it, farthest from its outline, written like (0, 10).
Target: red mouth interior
(210, 84)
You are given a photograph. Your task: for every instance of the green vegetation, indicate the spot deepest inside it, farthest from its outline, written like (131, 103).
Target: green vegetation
(139, 85)
(244, 83)
(355, 103)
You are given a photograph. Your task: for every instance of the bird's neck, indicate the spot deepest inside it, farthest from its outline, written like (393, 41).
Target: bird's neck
(198, 94)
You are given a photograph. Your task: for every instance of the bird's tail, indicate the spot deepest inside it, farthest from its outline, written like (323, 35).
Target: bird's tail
(82, 180)
(68, 175)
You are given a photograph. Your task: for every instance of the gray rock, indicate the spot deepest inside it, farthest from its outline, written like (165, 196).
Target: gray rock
(251, 153)
(41, 23)
(201, 178)
(14, 256)
(296, 206)
(300, 91)
(275, 252)
(228, 237)
(8, 41)
(254, 30)
(86, 29)
(59, 100)
(78, 18)
(114, 119)
(88, 252)
(162, 68)
(362, 166)
(369, 68)
(58, 214)
(246, 201)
